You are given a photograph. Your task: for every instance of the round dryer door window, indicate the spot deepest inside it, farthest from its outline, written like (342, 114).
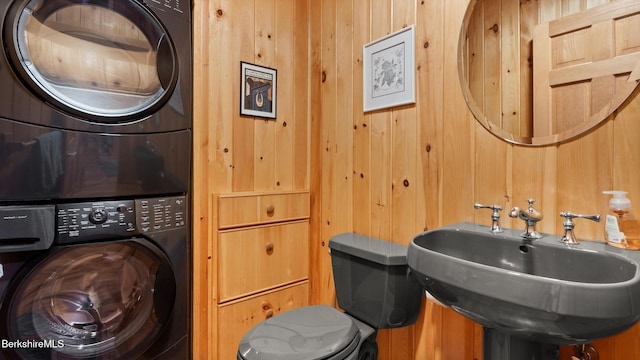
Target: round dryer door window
(103, 60)
(108, 300)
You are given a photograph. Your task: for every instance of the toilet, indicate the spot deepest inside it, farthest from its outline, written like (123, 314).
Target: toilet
(373, 286)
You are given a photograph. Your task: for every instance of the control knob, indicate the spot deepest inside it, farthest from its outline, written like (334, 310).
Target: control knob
(98, 216)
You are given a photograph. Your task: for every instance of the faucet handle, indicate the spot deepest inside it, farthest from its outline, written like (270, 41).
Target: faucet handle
(568, 224)
(495, 216)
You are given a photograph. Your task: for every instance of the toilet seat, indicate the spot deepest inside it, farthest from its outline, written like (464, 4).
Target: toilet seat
(313, 333)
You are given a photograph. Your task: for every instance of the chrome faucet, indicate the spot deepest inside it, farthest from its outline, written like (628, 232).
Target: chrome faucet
(568, 224)
(495, 216)
(530, 216)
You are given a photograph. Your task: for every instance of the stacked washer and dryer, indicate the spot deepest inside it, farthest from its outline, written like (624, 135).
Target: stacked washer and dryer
(95, 169)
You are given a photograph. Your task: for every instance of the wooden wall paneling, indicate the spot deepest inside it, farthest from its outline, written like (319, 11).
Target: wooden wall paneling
(492, 175)
(233, 135)
(243, 163)
(572, 6)
(534, 175)
(404, 181)
(264, 135)
(361, 123)
(380, 150)
(592, 3)
(202, 263)
(625, 175)
(324, 284)
(380, 206)
(603, 88)
(264, 18)
(491, 27)
(404, 191)
(621, 346)
(549, 10)
(284, 40)
(380, 146)
(429, 80)
(367, 155)
(627, 40)
(225, 33)
(430, 105)
(624, 171)
(458, 126)
(580, 185)
(458, 172)
(473, 65)
(404, 143)
(543, 116)
(510, 67)
(381, 25)
(626, 152)
(528, 21)
(215, 124)
(317, 271)
(567, 104)
(299, 96)
(380, 187)
(241, 47)
(344, 119)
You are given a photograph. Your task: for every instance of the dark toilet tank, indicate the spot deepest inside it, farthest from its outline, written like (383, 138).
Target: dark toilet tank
(373, 281)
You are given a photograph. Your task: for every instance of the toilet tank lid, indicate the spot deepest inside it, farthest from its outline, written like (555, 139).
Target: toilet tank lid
(368, 248)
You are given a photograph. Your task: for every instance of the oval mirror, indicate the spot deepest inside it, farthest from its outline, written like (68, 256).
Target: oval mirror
(543, 72)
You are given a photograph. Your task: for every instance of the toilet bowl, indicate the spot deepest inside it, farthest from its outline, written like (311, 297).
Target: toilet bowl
(311, 332)
(375, 289)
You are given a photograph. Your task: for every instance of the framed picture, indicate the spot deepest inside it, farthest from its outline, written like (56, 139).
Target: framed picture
(258, 91)
(389, 70)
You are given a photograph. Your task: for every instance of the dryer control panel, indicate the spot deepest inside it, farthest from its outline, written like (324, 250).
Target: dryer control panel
(160, 214)
(119, 218)
(94, 219)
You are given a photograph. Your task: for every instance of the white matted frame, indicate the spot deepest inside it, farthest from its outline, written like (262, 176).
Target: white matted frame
(258, 90)
(389, 70)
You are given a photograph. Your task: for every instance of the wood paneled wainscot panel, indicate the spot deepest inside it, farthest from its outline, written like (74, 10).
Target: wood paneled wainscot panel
(262, 267)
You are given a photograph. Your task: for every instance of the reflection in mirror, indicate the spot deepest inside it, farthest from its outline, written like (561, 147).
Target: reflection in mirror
(543, 72)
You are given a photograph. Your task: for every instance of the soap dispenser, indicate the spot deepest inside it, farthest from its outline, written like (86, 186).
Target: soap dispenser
(621, 226)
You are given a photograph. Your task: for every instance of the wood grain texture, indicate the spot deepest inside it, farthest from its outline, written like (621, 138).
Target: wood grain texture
(390, 173)
(456, 162)
(234, 153)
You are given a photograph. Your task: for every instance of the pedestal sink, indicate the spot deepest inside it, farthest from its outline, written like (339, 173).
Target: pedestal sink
(530, 294)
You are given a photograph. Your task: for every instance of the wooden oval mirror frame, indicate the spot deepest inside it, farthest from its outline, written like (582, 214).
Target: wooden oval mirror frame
(543, 72)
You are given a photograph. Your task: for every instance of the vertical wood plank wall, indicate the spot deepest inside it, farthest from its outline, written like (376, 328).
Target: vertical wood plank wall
(234, 153)
(391, 173)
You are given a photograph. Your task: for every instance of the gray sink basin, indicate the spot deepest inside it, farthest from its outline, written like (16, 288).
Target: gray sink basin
(542, 290)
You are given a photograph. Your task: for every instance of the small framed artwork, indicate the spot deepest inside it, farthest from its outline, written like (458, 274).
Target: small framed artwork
(389, 70)
(258, 90)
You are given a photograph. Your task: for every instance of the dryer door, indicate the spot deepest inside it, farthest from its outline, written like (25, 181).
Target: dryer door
(101, 300)
(103, 60)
